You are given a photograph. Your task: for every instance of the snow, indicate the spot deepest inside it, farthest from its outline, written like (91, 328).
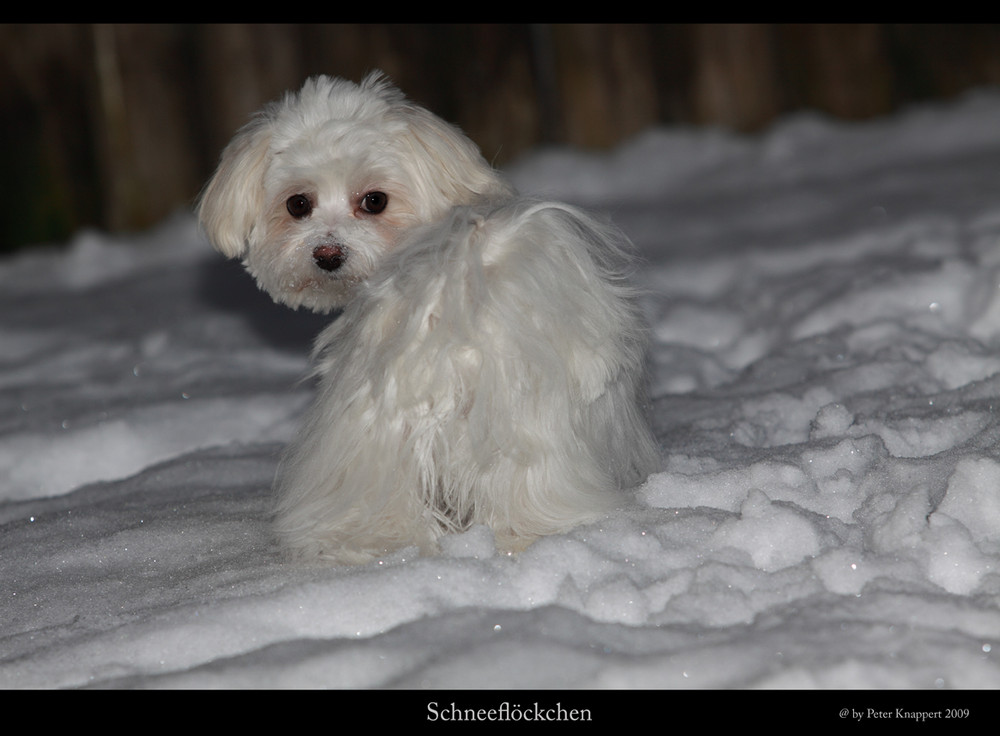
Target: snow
(824, 301)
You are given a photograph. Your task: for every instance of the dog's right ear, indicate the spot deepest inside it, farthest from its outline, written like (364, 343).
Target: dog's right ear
(233, 199)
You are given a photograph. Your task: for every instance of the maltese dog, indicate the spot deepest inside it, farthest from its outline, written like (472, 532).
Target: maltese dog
(487, 367)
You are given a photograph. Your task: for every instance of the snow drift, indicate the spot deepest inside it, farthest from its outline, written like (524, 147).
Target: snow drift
(825, 308)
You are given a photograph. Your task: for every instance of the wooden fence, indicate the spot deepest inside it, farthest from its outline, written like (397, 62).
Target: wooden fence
(116, 126)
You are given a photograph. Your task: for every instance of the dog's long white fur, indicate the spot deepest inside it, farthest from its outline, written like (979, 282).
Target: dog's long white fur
(488, 365)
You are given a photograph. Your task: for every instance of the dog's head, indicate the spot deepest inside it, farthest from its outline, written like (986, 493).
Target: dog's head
(318, 187)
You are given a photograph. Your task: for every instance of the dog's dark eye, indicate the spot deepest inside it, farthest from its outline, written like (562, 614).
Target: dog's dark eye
(374, 202)
(299, 206)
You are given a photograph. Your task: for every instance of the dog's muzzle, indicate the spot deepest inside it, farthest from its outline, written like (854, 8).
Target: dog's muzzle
(329, 257)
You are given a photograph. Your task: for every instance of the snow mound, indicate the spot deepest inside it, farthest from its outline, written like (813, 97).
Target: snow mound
(824, 302)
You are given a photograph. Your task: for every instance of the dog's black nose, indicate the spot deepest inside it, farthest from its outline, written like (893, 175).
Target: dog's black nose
(329, 257)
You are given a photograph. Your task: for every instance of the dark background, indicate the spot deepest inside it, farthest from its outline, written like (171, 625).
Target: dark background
(118, 126)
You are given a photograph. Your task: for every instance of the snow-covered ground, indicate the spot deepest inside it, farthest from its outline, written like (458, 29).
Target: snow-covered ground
(825, 305)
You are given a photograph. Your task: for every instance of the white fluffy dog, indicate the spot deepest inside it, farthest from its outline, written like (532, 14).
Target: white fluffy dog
(488, 364)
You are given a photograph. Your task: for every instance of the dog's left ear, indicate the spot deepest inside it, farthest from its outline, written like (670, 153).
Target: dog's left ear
(234, 197)
(447, 160)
